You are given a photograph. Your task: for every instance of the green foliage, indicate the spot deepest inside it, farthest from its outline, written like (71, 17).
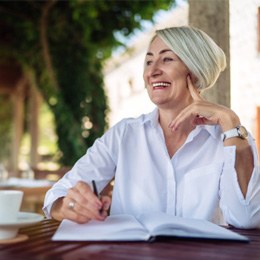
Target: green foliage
(5, 133)
(65, 44)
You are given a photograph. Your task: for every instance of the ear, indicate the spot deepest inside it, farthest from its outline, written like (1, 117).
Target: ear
(194, 80)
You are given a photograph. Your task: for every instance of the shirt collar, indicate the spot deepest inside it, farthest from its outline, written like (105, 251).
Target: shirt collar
(152, 117)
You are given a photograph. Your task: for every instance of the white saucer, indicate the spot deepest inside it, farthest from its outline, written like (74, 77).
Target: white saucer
(9, 230)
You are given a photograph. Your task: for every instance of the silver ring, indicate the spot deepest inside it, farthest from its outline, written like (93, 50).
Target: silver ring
(71, 205)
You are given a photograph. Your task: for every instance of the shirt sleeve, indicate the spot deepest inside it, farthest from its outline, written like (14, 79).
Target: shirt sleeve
(240, 211)
(99, 164)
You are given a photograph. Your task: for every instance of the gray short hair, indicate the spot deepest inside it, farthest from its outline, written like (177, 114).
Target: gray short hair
(203, 57)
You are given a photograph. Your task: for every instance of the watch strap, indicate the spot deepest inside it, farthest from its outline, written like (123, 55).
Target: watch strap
(229, 134)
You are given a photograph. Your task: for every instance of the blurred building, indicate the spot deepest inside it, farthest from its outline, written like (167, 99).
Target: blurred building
(123, 74)
(245, 61)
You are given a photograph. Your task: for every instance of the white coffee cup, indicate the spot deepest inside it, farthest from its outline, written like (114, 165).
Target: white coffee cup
(10, 203)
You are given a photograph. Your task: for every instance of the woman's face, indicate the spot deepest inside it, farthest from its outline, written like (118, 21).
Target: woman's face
(165, 76)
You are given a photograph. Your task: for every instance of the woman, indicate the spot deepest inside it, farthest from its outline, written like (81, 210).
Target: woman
(188, 157)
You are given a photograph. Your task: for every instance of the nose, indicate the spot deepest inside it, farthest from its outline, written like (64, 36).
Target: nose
(154, 70)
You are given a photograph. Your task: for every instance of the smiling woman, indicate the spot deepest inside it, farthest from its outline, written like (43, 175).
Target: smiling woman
(165, 75)
(173, 159)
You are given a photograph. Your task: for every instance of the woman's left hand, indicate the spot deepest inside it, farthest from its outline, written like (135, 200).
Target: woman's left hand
(202, 112)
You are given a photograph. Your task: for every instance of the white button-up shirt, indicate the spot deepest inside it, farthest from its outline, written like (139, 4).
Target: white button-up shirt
(199, 181)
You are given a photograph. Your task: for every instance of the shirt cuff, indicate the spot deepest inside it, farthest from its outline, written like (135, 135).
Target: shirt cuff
(230, 156)
(50, 198)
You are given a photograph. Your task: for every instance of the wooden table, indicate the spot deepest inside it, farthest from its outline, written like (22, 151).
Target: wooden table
(40, 246)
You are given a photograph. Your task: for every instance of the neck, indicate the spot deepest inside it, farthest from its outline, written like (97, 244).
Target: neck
(167, 116)
(169, 111)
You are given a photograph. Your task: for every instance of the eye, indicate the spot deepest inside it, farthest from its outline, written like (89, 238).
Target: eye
(148, 62)
(167, 59)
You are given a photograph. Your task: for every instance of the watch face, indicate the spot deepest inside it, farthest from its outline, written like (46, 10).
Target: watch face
(242, 132)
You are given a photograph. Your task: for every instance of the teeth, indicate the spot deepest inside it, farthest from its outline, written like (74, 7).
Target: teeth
(160, 84)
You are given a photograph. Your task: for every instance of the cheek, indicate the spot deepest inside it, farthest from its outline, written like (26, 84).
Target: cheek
(180, 79)
(145, 78)
(181, 73)
(145, 74)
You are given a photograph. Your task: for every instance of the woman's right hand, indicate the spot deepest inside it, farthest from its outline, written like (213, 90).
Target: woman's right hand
(81, 205)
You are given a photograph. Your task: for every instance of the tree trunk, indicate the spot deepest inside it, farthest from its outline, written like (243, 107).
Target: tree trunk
(212, 16)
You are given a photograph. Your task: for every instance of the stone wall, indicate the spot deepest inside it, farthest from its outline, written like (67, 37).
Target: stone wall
(245, 60)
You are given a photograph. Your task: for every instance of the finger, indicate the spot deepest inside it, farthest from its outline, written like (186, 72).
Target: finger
(81, 212)
(191, 113)
(71, 214)
(195, 94)
(86, 192)
(198, 113)
(75, 194)
(106, 202)
(86, 203)
(184, 115)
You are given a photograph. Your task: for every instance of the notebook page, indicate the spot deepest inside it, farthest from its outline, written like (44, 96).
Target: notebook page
(159, 223)
(114, 228)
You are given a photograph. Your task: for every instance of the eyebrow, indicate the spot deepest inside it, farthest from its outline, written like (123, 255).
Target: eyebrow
(161, 52)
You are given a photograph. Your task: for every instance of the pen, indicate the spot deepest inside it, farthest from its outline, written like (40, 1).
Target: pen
(95, 188)
(96, 192)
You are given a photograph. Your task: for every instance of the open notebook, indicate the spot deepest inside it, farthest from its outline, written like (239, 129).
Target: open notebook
(144, 228)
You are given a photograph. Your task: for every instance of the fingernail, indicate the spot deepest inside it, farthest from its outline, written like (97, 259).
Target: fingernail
(98, 205)
(171, 124)
(106, 206)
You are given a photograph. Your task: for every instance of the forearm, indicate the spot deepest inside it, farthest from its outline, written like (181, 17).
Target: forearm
(239, 210)
(244, 161)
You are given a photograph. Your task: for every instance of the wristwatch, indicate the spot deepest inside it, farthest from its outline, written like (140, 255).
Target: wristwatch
(239, 131)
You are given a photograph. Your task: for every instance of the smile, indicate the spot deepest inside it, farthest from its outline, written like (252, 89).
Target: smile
(160, 85)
